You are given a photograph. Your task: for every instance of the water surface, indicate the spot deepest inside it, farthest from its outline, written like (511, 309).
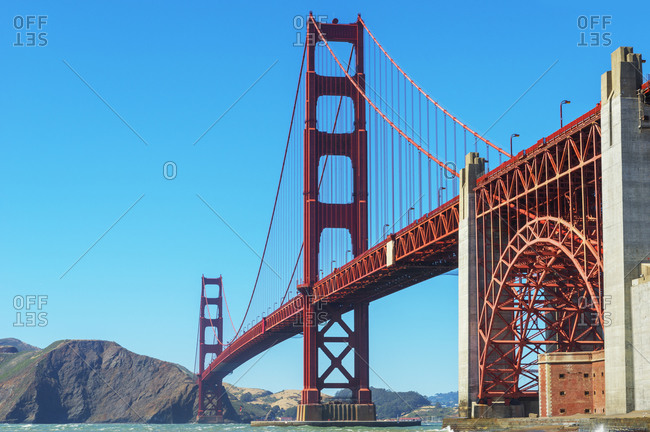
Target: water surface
(432, 427)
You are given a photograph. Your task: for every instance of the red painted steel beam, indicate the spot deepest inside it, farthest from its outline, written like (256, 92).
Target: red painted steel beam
(319, 216)
(540, 252)
(551, 139)
(426, 248)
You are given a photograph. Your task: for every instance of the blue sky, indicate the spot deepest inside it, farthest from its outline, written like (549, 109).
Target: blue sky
(71, 167)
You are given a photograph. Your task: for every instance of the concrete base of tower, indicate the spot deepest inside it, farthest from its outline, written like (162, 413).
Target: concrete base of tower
(311, 412)
(524, 407)
(336, 412)
(210, 419)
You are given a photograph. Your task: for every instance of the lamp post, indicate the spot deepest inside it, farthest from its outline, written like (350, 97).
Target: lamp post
(409, 214)
(514, 135)
(440, 189)
(562, 103)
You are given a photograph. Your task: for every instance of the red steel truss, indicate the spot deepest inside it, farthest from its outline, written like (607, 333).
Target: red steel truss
(539, 243)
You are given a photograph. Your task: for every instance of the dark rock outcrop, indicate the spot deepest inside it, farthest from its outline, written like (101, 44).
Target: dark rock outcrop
(93, 381)
(18, 344)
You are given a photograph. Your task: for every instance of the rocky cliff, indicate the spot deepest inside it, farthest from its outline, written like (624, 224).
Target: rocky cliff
(93, 381)
(17, 344)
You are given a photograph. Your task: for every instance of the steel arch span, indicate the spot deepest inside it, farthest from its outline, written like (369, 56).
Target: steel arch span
(545, 302)
(540, 260)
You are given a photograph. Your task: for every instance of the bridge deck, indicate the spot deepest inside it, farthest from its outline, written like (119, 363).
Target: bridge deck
(425, 249)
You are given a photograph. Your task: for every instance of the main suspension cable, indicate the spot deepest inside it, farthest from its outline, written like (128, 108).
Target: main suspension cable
(362, 93)
(467, 128)
(277, 193)
(320, 181)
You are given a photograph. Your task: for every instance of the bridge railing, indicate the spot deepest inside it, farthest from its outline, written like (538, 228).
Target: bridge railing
(522, 155)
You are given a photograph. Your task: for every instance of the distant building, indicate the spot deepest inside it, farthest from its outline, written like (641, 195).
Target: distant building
(571, 383)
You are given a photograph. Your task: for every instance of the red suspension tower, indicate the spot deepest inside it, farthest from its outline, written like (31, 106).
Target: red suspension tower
(211, 391)
(318, 216)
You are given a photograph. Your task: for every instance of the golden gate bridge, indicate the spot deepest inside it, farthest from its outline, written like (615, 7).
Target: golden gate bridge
(382, 188)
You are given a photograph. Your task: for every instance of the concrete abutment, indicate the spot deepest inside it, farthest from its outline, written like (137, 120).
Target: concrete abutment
(626, 232)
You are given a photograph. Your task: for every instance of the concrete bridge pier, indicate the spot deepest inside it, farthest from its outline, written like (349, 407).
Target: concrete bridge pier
(467, 286)
(625, 141)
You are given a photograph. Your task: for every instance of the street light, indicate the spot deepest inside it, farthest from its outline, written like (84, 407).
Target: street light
(332, 266)
(409, 214)
(511, 137)
(386, 230)
(440, 189)
(562, 103)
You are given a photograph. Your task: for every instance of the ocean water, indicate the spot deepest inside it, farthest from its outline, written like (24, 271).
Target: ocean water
(432, 427)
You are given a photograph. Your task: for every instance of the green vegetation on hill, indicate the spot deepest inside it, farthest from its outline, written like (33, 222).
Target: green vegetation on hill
(390, 404)
(395, 404)
(449, 399)
(433, 412)
(12, 364)
(258, 404)
(77, 381)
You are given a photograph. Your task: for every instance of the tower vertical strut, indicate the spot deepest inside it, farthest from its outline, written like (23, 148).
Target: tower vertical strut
(318, 216)
(211, 390)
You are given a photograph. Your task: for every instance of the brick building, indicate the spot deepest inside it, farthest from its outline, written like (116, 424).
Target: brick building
(571, 383)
